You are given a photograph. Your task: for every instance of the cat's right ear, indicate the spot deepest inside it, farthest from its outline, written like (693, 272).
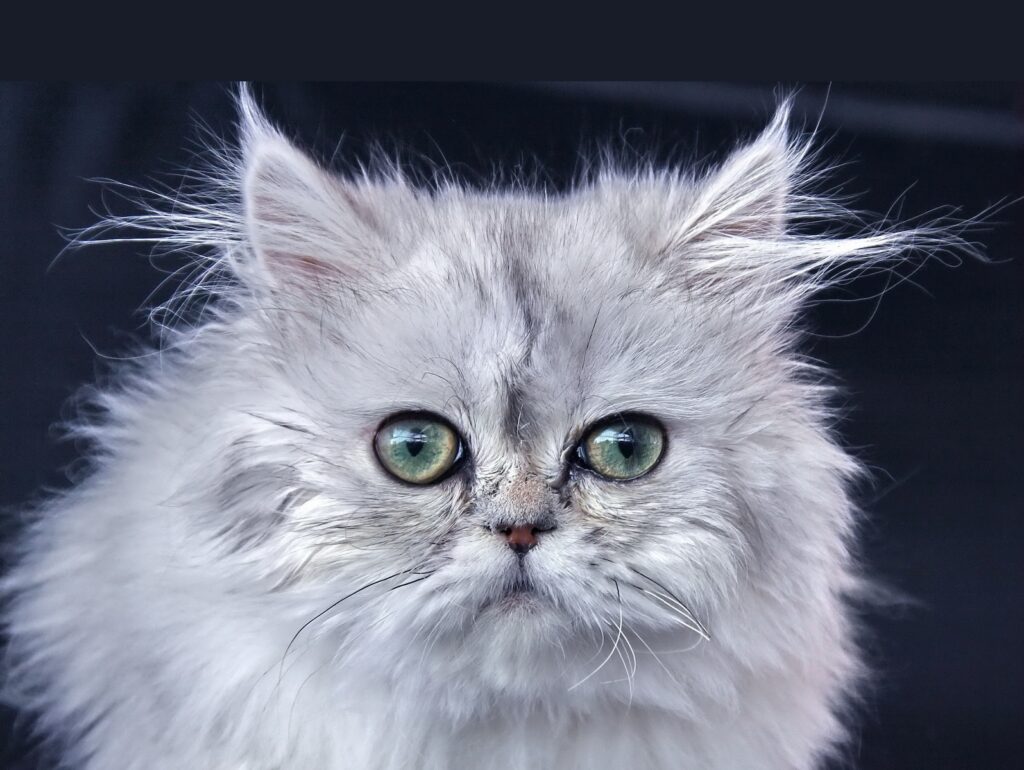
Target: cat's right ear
(307, 229)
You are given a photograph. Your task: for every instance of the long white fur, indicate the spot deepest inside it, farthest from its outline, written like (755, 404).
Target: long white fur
(237, 584)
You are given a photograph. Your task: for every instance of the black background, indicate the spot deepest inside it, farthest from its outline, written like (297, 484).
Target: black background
(931, 375)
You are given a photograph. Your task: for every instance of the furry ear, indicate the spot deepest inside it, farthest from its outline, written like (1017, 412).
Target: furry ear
(305, 226)
(753, 230)
(748, 196)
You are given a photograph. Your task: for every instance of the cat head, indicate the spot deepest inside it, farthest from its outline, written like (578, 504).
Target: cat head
(493, 421)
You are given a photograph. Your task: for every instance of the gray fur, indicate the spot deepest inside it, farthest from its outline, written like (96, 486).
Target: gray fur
(240, 584)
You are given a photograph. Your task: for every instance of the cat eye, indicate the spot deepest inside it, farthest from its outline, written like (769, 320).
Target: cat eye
(419, 448)
(623, 447)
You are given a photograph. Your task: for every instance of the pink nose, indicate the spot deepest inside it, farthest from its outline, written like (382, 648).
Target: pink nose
(521, 539)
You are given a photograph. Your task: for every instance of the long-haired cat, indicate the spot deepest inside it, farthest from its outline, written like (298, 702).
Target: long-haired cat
(454, 478)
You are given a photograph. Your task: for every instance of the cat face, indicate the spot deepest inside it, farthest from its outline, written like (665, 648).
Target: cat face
(442, 370)
(524, 332)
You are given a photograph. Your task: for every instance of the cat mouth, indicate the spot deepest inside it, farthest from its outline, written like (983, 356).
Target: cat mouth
(522, 583)
(520, 588)
(520, 591)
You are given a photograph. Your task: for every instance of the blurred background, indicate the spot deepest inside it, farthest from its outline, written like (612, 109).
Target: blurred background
(931, 375)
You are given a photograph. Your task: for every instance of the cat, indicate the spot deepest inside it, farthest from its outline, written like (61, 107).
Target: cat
(451, 478)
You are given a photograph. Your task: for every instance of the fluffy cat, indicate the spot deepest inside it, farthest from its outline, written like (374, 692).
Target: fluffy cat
(449, 479)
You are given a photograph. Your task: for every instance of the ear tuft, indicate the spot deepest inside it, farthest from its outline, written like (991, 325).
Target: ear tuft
(253, 125)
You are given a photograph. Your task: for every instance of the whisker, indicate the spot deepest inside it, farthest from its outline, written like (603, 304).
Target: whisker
(350, 640)
(669, 594)
(383, 617)
(681, 651)
(621, 651)
(681, 613)
(319, 615)
(604, 636)
(615, 646)
(410, 582)
(657, 659)
(630, 675)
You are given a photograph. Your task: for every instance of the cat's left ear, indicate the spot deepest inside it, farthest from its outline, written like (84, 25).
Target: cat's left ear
(748, 196)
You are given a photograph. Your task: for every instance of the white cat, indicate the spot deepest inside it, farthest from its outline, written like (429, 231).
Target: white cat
(449, 479)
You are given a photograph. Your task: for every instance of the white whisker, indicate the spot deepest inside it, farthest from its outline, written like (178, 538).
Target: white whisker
(682, 613)
(615, 646)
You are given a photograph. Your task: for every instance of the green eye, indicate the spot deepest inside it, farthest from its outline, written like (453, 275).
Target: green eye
(418, 448)
(623, 447)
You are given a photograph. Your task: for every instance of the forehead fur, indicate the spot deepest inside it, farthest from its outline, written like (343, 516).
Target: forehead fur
(638, 284)
(751, 231)
(639, 288)
(524, 320)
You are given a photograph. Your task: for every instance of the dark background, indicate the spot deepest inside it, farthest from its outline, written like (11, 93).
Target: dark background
(931, 375)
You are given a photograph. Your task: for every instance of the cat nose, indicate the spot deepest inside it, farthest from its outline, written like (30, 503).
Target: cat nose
(523, 538)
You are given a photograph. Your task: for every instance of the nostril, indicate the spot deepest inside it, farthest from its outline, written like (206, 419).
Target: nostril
(524, 538)
(521, 539)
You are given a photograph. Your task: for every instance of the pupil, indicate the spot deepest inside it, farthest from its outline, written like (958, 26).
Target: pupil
(415, 443)
(626, 444)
